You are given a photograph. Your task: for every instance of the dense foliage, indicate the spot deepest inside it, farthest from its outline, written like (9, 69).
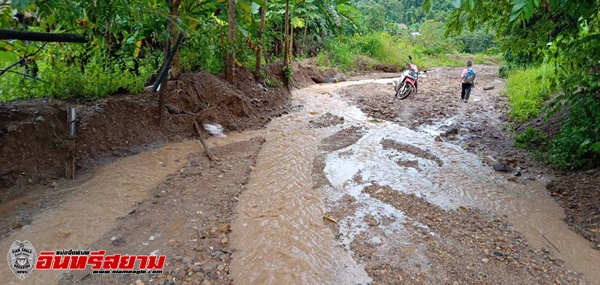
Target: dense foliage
(563, 35)
(126, 39)
(553, 44)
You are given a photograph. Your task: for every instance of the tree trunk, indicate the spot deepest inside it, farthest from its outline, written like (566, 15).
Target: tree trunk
(303, 47)
(261, 28)
(175, 65)
(286, 37)
(230, 72)
(291, 51)
(162, 93)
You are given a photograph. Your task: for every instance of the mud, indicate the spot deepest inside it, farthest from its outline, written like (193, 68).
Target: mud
(39, 148)
(327, 195)
(188, 218)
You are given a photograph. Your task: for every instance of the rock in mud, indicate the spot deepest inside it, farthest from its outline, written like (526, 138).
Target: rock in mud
(209, 266)
(117, 241)
(326, 120)
(501, 167)
(197, 268)
(173, 109)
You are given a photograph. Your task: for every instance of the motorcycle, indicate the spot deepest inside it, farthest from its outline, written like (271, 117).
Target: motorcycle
(407, 83)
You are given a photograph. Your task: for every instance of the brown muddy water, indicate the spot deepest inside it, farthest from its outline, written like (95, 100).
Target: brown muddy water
(94, 204)
(280, 236)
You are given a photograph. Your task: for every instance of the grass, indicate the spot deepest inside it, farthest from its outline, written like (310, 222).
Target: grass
(527, 91)
(387, 49)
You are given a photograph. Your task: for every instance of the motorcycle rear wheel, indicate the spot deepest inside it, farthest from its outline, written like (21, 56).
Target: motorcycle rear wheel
(404, 91)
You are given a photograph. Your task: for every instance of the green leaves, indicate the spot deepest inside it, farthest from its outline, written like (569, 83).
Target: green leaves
(8, 57)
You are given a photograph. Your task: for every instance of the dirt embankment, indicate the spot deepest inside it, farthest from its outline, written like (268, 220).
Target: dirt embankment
(36, 147)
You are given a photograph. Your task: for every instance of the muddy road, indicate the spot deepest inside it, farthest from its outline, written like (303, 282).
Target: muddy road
(352, 187)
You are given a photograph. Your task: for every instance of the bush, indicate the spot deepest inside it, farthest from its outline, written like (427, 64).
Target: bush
(433, 40)
(530, 139)
(527, 91)
(578, 143)
(382, 47)
(96, 78)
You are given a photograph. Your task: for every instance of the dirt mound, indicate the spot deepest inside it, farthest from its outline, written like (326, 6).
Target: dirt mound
(36, 145)
(306, 73)
(326, 120)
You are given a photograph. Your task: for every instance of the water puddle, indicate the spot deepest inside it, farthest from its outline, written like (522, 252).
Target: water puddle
(93, 205)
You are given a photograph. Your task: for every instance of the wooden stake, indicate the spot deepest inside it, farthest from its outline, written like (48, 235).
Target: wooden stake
(203, 142)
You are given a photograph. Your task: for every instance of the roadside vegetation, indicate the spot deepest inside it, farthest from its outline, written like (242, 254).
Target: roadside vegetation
(552, 62)
(548, 49)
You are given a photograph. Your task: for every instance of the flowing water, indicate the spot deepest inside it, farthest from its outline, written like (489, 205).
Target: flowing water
(280, 234)
(93, 205)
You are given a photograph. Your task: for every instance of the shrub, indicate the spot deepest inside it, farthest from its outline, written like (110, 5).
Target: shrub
(527, 91)
(531, 138)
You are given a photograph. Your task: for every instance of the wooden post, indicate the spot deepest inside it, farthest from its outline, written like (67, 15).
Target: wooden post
(164, 83)
(203, 142)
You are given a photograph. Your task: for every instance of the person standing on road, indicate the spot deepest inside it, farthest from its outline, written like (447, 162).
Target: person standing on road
(467, 80)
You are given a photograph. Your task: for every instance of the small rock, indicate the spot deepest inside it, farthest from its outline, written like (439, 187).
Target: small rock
(173, 109)
(232, 127)
(209, 266)
(117, 241)
(225, 228)
(545, 250)
(187, 260)
(197, 268)
(39, 119)
(516, 173)
(485, 260)
(220, 267)
(501, 167)
(206, 282)
(551, 258)
(131, 212)
(438, 139)
(224, 241)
